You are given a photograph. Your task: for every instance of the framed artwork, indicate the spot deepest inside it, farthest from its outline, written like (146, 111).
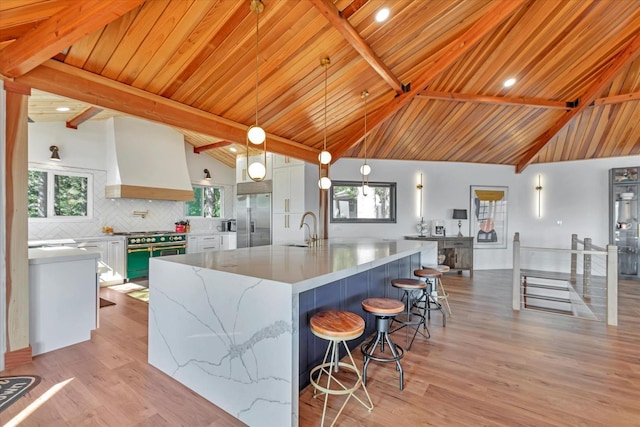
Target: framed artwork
(488, 219)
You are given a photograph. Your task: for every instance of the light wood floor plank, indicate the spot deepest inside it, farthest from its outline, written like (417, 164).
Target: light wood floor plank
(489, 366)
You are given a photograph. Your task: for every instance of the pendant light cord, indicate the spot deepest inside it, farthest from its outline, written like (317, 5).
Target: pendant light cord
(257, 63)
(326, 65)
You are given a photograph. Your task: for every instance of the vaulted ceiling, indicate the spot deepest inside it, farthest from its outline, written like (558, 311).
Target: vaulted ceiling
(434, 72)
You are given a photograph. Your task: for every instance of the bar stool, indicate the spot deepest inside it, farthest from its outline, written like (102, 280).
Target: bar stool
(384, 309)
(413, 290)
(431, 277)
(441, 293)
(337, 327)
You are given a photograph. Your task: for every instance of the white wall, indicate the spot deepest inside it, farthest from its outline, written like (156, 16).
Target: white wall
(3, 243)
(85, 150)
(575, 199)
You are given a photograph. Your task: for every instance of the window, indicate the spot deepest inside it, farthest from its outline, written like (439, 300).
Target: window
(351, 202)
(207, 202)
(59, 194)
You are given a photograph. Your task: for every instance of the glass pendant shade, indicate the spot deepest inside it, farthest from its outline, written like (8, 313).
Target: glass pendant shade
(365, 169)
(256, 135)
(257, 171)
(365, 190)
(324, 183)
(324, 157)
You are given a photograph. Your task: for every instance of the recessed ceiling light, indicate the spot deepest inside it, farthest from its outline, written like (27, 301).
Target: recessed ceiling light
(510, 82)
(233, 149)
(382, 15)
(61, 109)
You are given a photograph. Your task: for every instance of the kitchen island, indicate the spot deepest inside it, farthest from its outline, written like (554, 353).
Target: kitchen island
(233, 325)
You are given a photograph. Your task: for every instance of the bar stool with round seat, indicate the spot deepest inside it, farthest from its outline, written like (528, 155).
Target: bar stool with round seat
(384, 309)
(413, 317)
(431, 277)
(337, 327)
(441, 293)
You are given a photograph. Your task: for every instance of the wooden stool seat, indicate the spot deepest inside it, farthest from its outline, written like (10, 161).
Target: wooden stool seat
(383, 306)
(427, 272)
(406, 283)
(337, 325)
(443, 268)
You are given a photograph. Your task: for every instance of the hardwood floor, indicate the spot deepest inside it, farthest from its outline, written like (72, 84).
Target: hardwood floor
(488, 366)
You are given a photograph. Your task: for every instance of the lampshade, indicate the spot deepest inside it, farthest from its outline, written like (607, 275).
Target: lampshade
(256, 135)
(459, 214)
(54, 153)
(324, 183)
(324, 157)
(365, 169)
(257, 171)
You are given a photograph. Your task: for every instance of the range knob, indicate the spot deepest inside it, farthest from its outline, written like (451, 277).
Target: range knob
(162, 239)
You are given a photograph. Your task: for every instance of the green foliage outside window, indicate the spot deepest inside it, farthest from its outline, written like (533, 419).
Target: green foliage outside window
(69, 196)
(207, 202)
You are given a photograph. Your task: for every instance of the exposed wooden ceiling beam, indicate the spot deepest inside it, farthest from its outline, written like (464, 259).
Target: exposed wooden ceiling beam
(502, 100)
(82, 117)
(439, 62)
(59, 32)
(631, 52)
(352, 8)
(617, 99)
(218, 144)
(340, 23)
(74, 83)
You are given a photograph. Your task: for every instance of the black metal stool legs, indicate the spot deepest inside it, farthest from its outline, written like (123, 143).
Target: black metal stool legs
(369, 349)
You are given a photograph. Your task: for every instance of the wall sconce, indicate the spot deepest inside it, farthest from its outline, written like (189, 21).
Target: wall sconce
(54, 153)
(539, 190)
(207, 175)
(459, 214)
(421, 225)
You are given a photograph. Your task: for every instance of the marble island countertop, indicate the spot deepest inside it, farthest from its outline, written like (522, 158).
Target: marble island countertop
(305, 267)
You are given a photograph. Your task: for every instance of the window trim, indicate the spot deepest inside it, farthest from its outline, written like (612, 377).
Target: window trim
(394, 200)
(50, 194)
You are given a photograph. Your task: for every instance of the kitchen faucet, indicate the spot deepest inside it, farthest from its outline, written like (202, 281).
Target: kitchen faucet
(313, 240)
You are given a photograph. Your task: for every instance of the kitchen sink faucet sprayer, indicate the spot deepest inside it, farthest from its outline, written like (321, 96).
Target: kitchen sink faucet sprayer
(313, 240)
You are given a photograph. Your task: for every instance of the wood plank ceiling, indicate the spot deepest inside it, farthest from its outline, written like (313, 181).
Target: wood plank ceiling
(434, 71)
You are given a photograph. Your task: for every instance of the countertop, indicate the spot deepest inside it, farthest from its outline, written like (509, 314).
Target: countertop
(304, 267)
(59, 254)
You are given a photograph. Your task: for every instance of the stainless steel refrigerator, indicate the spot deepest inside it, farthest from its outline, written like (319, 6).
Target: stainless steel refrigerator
(254, 220)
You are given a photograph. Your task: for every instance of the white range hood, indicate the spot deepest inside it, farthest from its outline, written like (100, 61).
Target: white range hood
(145, 160)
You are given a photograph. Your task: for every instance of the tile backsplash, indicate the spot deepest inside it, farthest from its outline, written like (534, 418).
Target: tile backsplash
(118, 213)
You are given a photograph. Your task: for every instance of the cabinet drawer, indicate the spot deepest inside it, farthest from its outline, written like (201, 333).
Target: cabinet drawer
(455, 244)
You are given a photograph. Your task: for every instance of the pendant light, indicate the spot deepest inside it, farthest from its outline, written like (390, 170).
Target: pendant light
(255, 134)
(365, 169)
(324, 182)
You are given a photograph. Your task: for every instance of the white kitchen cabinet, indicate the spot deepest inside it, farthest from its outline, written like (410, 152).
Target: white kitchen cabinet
(63, 297)
(287, 228)
(295, 191)
(228, 241)
(211, 242)
(193, 244)
(280, 161)
(116, 262)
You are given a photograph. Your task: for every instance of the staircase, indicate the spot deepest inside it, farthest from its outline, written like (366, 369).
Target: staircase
(547, 294)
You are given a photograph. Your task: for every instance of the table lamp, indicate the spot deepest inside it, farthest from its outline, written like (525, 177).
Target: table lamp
(459, 214)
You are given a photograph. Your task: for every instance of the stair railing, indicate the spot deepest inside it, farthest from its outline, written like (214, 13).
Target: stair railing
(611, 280)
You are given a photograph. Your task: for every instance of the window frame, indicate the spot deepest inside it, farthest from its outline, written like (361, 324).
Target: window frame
(393, 188)
(50, 195)
(199, 185)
